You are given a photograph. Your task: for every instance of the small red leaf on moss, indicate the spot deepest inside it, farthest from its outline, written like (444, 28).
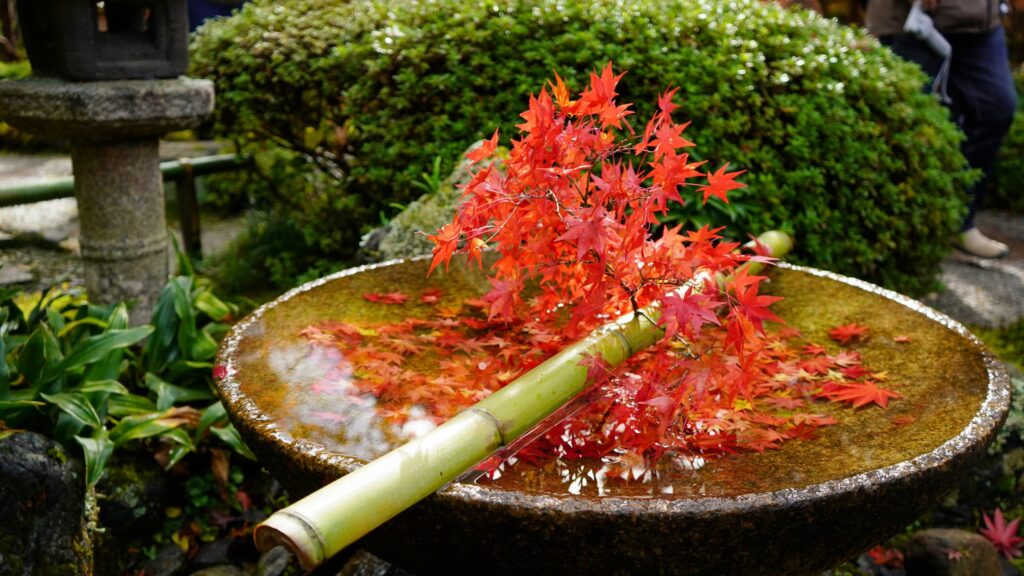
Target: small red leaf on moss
(431, 296)
(848, 332)
(814, 349)
(859, 394)
(389, 298)
(901, 339)
(903, 420)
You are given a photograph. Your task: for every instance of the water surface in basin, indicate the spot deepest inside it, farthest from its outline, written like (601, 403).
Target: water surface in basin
(306, 391)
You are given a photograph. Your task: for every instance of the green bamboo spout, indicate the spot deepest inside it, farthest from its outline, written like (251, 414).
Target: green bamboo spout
(320, 525)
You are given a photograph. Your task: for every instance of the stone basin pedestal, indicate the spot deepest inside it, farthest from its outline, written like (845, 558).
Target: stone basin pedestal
(114, 128)
(799, 509)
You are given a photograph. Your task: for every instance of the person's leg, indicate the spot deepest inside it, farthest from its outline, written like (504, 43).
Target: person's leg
(984, 101)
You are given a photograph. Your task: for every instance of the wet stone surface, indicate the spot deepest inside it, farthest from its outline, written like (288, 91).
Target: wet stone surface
(42, 506)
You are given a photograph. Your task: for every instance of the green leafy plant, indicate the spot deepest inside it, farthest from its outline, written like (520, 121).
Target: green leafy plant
(79, 374)
(354, 101)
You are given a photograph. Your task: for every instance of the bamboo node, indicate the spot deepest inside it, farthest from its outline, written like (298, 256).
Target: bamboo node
(494, 420)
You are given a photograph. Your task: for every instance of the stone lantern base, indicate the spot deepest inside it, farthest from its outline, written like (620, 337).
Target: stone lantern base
(114, 129)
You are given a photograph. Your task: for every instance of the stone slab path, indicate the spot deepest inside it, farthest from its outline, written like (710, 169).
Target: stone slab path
(986, 293)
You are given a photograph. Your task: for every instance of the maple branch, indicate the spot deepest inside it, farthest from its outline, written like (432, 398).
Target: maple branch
(323, 523)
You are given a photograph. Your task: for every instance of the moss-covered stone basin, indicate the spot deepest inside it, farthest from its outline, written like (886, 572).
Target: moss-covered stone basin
(793, 510)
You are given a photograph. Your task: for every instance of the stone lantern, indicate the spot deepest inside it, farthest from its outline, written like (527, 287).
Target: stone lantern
(106, 40)
(105, 76)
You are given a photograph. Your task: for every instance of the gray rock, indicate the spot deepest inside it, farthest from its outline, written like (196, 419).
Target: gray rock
(170, 560)
(403, 236)
(42, 503)
(132, 508)
(363, 563)
(948, 552)
(49, 267)
(212, 553)
(134, 492)
(273, 562)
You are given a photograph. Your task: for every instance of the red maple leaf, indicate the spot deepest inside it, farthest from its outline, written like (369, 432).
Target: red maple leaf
(760, 439)
(484, 150)
(243, 499)
(847, 358)
(1002, 535)
(785, 402)
(817, 365)
(815, 349)
(855, 372)
(593, 233)
(389, 298)
(431, 296)
(859, 393)
(503, 298)
(883, 556)
(720, 182)
(690, 309)
(848, 332)
(220, 372)
(816, 420)
(445, 242)
(903, 420)
(597, 369)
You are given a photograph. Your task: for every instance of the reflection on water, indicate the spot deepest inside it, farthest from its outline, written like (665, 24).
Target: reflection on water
(322, 395)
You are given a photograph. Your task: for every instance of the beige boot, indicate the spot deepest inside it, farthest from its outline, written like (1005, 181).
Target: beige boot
(974, 242)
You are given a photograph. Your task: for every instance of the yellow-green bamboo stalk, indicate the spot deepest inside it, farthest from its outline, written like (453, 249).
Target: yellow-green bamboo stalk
(323, 523)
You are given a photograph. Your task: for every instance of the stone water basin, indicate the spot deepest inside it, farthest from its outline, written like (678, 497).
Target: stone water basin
(795, 510)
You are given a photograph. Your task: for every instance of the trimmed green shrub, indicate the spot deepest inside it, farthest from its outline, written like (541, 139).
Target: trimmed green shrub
(842, 147)
(1006, 189)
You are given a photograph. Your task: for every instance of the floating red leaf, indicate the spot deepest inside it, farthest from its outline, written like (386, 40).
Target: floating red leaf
(848, 332)
(859, 394)
(389, 298)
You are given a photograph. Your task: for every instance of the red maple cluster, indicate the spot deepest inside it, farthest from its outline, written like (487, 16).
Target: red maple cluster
(572, 211)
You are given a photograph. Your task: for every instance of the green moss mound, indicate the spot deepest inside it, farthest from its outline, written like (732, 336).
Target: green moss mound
(843, 148)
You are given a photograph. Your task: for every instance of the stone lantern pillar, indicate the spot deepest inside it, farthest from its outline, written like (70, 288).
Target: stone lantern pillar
(106, 78)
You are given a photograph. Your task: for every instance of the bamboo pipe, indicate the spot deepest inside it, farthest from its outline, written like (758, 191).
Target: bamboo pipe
(323, 523)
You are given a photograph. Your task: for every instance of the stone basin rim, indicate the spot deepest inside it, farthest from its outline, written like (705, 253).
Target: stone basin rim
(981, 428)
